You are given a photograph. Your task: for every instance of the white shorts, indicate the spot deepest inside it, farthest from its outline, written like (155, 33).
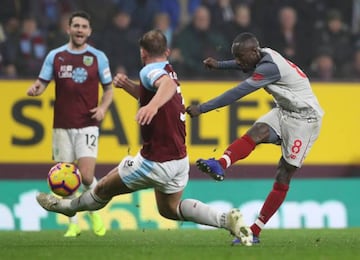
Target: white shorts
(168, 177)
(297, 134)
(71, 144)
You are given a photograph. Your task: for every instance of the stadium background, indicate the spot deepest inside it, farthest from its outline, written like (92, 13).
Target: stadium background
(332, 164)
(323, 194)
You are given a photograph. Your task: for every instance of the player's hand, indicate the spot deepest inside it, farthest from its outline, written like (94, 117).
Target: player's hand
(120, 80)
(98, 113)
(210, 63)
(193, 110)
(146, 114)
(36, 89)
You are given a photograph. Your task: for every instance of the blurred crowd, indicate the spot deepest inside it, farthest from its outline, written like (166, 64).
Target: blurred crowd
(321, 36)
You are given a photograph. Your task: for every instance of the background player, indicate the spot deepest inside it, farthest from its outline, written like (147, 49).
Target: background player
(77, 69)
(162, 162)
(294, 123)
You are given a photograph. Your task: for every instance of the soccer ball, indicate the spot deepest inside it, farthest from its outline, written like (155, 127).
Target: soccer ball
(64, 179)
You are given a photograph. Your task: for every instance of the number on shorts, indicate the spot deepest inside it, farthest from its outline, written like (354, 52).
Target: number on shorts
(91, 140)
(296, 146)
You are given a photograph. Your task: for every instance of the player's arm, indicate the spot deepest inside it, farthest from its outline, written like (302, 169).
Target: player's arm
(106, 99)
(212, 63)
(265, 74)
(225, 99)
(37, 88)
(166, 88)
(130, 86)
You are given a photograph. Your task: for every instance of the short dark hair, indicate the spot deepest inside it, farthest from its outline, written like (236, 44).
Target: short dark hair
(244, 40)
(82, 14)
(154, 42)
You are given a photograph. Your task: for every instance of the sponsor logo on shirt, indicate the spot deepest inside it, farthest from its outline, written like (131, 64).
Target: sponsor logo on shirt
(65, 71)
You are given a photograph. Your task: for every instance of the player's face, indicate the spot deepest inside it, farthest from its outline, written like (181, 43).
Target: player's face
(247, 58)
(79, 31)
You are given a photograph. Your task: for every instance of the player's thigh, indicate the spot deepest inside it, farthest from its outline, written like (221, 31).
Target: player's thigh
(111, 185)
(272, 119)
(63, 149)
(298, 137)
(86, 141)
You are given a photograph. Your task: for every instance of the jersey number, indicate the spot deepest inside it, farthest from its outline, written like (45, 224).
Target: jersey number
(298, 70)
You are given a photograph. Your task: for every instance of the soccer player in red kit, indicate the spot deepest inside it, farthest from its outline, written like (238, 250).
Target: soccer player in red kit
(77, 69)
(162, 163)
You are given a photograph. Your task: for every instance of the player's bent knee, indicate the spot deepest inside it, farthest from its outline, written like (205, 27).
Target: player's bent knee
(169, 214)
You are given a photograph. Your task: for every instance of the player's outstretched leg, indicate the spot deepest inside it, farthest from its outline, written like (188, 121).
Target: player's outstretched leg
(212, 168)
(238, 228)
(54, 204)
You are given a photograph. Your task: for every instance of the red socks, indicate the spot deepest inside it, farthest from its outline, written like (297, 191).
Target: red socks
(238, 150)
(271, 205)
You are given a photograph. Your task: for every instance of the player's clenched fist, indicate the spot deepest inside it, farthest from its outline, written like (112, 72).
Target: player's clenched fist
(120, 80)
(210, 63)
(193, 110)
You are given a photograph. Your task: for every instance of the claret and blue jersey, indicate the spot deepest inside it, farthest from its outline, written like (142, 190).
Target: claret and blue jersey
(77, 75)
(164, 137)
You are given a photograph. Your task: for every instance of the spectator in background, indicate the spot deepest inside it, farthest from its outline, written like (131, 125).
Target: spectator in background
(290, 39)
(101, 12)
(336, 37)
(179, 11)
(195, 42)
(162, 22)
(59, 35)
(32, 49)
(143, 13)
(10, 47)
(49, 12)
(221, 12)
(351, 70)
(119, 42)
(323, 67)
(241, 23)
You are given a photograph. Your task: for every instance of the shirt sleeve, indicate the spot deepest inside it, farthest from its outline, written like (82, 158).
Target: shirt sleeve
(228, 64)
(150, 73)
(228, 97)
(265, 74)
(47, 69)
(104, 69)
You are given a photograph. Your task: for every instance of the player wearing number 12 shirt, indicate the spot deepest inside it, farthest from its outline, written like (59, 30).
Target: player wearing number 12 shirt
(77, 69)
(294, 123)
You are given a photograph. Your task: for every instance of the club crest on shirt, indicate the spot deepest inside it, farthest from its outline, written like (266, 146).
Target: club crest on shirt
(88, 60)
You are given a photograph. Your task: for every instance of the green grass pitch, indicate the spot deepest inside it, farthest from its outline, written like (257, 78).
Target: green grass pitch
(181, 244)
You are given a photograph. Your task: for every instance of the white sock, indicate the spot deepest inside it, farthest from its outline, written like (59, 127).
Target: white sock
(227, 159)
(91, 186)
(201, 213)
(74, 219)
(87, 201)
